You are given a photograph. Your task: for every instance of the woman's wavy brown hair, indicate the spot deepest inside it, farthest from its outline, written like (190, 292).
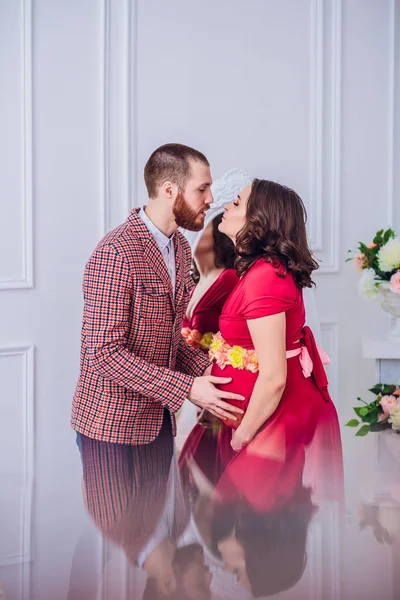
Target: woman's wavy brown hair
(223, 248)
(276, 229)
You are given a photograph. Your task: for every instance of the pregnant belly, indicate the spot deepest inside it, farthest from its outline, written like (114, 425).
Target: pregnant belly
(242, 382)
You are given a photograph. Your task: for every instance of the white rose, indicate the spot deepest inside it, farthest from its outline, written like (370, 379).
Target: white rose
(389, 255)
(367, 285)
(394, 419)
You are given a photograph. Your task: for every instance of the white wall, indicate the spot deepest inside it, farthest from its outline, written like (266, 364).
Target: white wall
(301, 91)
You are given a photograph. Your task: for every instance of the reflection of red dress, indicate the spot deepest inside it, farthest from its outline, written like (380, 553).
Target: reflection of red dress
(305, 414)
(201, 443)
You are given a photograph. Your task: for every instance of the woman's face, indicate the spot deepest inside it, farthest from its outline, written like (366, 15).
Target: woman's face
(234, 559)
(234, 217)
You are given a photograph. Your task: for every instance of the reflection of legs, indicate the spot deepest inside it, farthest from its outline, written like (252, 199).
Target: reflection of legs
(87, 566)
(124, 487)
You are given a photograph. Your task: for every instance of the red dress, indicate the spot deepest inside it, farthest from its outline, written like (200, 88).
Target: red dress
(201, 443)
(291, 473)
(305, 415)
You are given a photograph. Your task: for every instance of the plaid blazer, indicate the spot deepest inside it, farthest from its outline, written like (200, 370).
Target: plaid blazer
(134, 360)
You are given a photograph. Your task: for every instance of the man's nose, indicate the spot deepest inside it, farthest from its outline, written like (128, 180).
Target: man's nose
(209, 198)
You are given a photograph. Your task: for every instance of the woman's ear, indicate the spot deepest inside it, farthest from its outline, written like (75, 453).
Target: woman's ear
(167, 585)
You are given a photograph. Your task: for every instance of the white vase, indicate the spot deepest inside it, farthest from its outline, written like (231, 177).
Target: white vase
(390, 302)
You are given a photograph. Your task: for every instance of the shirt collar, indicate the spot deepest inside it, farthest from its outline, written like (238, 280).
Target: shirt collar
(162, 240)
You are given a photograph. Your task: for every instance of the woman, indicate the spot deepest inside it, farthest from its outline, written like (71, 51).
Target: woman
(288, 442)
(263, 344)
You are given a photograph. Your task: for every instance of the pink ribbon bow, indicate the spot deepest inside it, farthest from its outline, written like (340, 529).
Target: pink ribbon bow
(306, 362)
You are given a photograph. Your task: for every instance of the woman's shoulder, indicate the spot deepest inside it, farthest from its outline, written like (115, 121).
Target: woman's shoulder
(263, 274)
(265, 268)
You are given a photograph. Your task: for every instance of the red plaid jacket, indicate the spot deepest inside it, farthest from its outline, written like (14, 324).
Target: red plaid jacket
(134, 361)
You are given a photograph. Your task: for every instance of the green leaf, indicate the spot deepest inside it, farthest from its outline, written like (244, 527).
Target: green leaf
(363, 431)
(357, 410)
(352, 423)
(349, 259)
(389, 233)
(377, 389)
(388, 390)
(363, 411)
(371, 417)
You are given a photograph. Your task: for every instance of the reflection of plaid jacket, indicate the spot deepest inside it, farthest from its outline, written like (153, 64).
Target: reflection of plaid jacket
(134, 360)
(125, 489)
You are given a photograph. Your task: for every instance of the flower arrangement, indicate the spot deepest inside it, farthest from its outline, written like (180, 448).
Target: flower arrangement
(236, 356)
(381, 413)
(196, 339)
(379, 264)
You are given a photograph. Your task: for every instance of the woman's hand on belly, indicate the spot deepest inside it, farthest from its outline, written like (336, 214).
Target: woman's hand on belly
(240, 439)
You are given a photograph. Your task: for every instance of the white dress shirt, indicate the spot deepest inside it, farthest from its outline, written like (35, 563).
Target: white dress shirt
(166, 245)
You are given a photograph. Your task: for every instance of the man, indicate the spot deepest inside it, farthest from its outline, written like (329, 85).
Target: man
(135, 365)
(190, 578)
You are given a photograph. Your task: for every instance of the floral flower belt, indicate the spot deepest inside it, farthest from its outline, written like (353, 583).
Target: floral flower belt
(241, 358)
(196, 339)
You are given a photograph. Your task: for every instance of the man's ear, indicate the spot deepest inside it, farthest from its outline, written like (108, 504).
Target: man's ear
(169, 190)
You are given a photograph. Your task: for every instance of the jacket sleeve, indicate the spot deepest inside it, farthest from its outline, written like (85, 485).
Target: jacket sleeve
(191, 361)
(107, 288)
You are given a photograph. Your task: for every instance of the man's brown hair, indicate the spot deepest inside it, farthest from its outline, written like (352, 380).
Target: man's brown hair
(170, 162)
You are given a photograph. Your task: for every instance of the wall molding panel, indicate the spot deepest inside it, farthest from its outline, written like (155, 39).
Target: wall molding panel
(25, 280)
(325, 134)
(394, 119)
(118, 126)
(24, 556)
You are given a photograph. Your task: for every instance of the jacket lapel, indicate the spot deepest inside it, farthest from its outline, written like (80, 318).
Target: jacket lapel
(180, 279)
(152, 253)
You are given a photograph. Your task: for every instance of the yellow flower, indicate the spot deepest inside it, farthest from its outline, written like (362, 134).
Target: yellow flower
(215, 344)
(206, 340)
(236, 357)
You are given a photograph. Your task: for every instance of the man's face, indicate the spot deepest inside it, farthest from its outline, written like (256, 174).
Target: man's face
(195, 580)
(192, 203)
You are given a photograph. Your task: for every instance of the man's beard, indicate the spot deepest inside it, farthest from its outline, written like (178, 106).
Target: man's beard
(185, 216)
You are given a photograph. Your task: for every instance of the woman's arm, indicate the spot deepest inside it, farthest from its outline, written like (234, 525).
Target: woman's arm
(269, 339)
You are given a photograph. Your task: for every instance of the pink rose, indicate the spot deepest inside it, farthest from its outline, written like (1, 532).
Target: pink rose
(395, 283)
(361, 261)
(388, 403)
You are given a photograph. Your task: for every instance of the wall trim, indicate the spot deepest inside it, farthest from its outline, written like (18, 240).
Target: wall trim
(26, 351)
(26, 279)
